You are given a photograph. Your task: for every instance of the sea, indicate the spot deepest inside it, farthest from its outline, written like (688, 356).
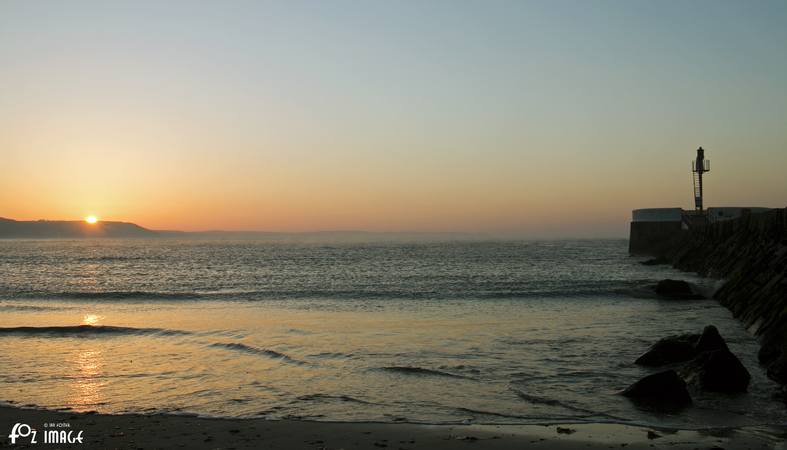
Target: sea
(443, 332)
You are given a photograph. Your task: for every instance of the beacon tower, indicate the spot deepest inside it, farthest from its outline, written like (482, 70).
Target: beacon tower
(698, 167)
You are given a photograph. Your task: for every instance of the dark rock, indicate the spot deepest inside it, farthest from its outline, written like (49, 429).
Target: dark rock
(717, 370)
(655, 261)
(670, 350)
(710, 340)
(662, 387)
(673, 287)
(676, 289)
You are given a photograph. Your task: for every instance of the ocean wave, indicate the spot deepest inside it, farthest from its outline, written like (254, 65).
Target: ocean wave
(32, 308)
(110, 258)
(327, 397)
(81, 330)
(413, 370)
(515, 416)
(128, 295)
(100, 295)
(463, 368)
(646, 289)
(332, 355)
(236, 346)
(530, 398)
(471, 290)
(555, 342)
(536, 399)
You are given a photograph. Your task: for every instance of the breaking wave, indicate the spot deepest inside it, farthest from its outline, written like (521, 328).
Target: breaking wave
(236, 346)
(82, 330)
(469, 290)
(31, 308)
(410, 370)
(100, 295)
(327, 397)
(530, 398)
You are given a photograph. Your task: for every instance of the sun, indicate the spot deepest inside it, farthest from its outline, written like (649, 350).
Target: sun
(91, 219)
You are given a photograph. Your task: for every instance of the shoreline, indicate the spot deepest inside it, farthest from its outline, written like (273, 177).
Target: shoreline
(183, 431)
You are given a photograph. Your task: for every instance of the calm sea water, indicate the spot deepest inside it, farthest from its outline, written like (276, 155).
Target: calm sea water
(487, 332)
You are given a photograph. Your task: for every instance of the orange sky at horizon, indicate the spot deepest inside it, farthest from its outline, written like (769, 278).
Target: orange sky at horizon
(518, 187)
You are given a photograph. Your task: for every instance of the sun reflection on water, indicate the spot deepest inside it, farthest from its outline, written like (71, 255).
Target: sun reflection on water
(86, 386)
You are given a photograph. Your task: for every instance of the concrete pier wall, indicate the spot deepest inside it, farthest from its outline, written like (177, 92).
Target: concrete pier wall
(649, 238)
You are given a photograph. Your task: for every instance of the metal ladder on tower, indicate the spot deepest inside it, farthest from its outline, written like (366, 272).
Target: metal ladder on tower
(697, 179)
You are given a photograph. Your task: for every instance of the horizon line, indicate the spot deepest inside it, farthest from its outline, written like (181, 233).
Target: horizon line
(508, 234)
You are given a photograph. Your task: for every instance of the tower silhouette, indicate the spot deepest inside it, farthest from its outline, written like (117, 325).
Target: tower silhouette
(698, 167)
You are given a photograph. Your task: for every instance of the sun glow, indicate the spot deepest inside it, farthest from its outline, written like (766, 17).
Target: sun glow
(91, 319)
(91, 219)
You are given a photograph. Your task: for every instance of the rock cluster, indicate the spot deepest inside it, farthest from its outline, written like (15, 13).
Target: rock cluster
(708, 365)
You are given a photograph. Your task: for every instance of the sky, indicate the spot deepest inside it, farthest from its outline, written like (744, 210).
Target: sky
(552, 118)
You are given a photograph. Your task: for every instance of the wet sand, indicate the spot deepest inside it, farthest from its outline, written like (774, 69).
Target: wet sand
(168, 431)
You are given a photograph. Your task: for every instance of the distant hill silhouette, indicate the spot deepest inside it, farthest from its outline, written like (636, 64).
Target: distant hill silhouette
(70, 229)
(75, 229)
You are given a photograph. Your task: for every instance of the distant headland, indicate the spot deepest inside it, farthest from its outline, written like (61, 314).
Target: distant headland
(82, 229)
(43, 229)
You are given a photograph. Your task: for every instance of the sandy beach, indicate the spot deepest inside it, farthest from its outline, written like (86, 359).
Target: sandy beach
(168, 431)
